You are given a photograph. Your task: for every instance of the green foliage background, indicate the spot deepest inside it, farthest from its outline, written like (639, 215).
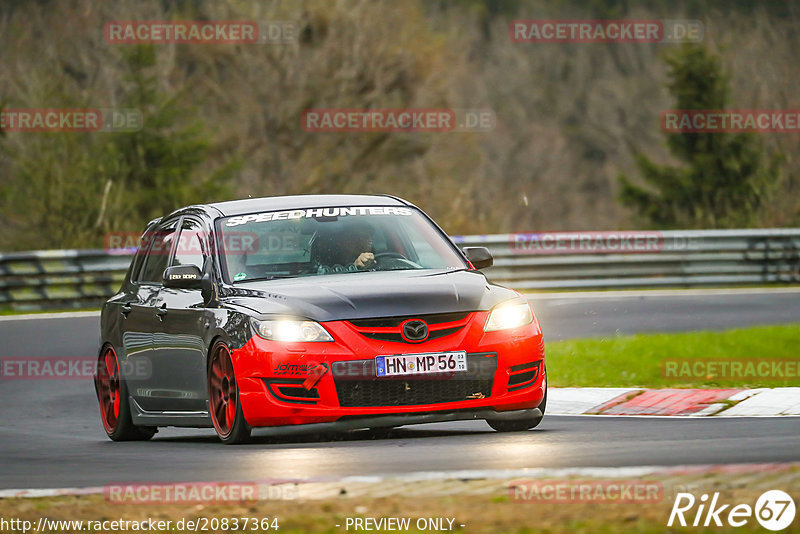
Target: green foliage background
(223, 121)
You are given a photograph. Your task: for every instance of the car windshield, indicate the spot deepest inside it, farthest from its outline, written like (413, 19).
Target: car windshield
(326, 241)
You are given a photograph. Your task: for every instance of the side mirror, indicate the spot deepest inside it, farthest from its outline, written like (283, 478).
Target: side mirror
(479, 257)
(182, 277)
(209, 291)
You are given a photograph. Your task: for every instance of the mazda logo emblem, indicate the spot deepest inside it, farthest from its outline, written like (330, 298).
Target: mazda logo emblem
(415, 331)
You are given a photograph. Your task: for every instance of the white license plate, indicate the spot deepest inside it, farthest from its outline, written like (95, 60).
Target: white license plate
(421, 364)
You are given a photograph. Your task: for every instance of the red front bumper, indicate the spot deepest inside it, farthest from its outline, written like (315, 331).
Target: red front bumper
(266, 370)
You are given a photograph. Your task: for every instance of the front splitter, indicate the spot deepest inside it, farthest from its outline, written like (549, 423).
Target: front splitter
(387, 421)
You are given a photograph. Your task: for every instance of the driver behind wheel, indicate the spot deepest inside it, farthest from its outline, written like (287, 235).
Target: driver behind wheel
(345, 247)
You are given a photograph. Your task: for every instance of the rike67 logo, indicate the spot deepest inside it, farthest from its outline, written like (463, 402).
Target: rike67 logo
(774, 510)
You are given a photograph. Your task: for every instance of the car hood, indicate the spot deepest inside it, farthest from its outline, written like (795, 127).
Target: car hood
(369, 294)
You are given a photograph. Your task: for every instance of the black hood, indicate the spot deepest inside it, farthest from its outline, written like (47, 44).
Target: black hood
(369, 294)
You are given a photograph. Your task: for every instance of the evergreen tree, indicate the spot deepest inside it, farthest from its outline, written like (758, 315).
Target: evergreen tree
(725, 181)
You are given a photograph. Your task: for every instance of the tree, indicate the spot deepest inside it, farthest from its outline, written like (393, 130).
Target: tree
(163, 167)
(724, 181)
(70, 189)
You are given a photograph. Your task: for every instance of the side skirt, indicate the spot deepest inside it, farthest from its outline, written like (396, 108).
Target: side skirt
(142, 417)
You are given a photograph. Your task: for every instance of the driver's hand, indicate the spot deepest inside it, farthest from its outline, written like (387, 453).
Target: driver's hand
(365, 260)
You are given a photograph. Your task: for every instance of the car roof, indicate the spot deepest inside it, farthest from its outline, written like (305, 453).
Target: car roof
(253, 205)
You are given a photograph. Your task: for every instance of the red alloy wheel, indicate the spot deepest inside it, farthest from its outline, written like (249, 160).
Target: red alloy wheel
(223, 391)
(108, 389)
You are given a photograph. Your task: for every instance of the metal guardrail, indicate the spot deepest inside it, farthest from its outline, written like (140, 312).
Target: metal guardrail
(541, 261)
(599, 260)
(60, 278)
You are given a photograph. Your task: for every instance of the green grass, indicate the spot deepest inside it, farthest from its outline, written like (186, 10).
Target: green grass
(677, 290)
(642, 360)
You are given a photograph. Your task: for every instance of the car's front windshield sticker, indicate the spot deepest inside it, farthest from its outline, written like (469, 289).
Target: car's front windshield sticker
(316, 213)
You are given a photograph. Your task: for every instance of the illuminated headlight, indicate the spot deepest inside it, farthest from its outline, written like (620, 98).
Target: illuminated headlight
(290, 330)
(507, 316)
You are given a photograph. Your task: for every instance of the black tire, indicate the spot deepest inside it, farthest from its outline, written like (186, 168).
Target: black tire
(112, 394)
(520, 425)
(223, 397)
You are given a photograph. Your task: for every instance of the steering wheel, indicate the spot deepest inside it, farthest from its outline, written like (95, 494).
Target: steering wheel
(395, 255)
(395, 261)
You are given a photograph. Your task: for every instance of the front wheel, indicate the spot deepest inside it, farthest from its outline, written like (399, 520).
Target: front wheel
(112, 393)
(520, 425)
(223, 398)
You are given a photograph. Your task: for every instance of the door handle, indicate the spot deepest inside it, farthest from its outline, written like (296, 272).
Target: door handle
(126, 309)
(161, 312)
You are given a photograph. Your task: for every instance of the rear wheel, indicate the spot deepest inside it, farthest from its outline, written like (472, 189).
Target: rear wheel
(519, 425)
(223, 397)
(112, 393)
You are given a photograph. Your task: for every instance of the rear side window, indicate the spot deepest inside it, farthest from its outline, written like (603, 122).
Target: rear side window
(157, 258)
(141, 255)
(191, 245)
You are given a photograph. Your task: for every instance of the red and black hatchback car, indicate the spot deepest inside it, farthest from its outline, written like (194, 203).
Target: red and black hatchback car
(327, 312)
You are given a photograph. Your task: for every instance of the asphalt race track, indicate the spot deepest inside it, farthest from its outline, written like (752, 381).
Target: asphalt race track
(51, 435)
(564, 316)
